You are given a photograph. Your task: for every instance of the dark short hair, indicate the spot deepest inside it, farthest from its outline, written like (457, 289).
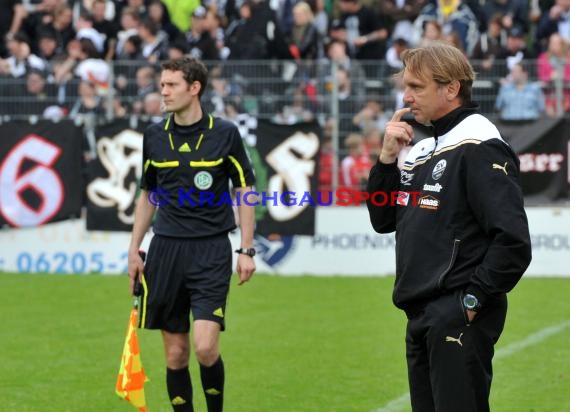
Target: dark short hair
(21, 37)
(46, 33)
(193, 70)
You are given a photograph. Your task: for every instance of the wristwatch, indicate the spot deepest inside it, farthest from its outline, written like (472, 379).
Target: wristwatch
(246, 251)
(471, 302)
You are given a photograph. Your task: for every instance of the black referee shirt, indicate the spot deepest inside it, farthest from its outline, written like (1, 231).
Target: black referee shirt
(194, 165)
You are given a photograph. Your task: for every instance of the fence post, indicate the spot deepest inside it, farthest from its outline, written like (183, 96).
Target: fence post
(335, 129)
(110, 112)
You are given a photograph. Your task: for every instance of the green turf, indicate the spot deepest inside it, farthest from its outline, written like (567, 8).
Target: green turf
(294, 344)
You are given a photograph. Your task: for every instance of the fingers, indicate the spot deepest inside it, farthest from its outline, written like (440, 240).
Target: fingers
(398, 114)
(399, 130)
(244, 275)
(135, 268)
(397, 135)
(245, 268)
(132, 285)
(397, 127)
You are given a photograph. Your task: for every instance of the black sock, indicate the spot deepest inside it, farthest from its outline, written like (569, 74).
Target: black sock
(179, 388)
(213, 384)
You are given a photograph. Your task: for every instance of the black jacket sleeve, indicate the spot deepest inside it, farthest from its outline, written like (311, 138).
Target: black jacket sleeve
(239, 166)
(495, 197)
(384, 178)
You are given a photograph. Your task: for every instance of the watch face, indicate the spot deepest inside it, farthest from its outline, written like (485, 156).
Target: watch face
(470, 301)
(250, 252)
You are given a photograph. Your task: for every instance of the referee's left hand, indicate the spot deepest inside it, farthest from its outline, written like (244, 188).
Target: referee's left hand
(245, 268)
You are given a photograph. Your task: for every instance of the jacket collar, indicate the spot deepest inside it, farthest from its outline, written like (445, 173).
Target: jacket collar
(206, 122)
(444, 124)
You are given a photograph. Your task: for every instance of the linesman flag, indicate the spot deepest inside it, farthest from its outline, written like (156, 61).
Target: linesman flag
(131, 379)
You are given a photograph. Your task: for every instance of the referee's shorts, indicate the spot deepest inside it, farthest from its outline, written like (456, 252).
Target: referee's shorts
(182, 276)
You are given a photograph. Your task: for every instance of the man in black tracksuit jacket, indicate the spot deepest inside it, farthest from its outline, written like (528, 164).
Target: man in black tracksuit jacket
(462, 242)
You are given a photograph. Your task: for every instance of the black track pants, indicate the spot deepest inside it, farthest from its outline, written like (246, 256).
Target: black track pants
(449, 360)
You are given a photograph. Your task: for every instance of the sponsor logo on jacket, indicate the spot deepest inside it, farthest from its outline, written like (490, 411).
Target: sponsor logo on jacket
(433, 188)
(406, 178)
(428, 202)
(438, 170)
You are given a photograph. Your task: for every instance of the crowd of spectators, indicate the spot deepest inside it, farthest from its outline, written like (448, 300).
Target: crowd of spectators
(99, 57)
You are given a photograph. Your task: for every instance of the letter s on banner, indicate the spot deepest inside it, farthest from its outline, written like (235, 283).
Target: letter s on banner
(41, 178)
(292, 172)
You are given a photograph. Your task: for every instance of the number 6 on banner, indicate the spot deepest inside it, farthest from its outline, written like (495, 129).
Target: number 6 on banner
(40, 178)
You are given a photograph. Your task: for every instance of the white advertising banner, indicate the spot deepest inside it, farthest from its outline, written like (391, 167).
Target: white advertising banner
(344, 244)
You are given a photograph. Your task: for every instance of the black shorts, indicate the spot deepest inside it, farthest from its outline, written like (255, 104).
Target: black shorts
(183, 276)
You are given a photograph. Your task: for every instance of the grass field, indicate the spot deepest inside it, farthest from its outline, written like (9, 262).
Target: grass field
(294, 344)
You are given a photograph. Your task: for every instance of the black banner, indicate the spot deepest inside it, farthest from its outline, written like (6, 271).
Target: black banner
(543, 149)
(285, 159)
(40, 172)
(114, 176)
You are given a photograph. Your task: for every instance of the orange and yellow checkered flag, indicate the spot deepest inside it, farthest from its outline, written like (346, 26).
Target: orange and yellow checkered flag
(131, 379)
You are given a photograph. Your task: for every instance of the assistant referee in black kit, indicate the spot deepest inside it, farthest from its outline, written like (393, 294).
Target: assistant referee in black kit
(189, 261)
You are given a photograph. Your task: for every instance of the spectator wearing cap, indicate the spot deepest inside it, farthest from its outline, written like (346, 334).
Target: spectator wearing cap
(519, 100)
(201, 45)
(515, 50)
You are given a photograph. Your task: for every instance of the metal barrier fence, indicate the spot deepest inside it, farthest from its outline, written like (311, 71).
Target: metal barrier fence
(279, 90)
(348, 97)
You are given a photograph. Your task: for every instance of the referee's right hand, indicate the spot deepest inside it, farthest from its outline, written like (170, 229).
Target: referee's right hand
(245, 267)
(135, 268)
